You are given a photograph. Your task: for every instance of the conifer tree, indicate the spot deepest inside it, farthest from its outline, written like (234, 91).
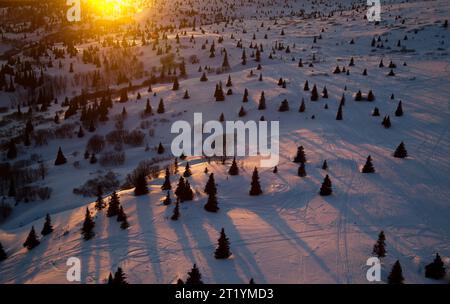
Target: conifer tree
(326, 189)
(300, 157)
(88, 226)
(435, 270)
(114, 205)
(166, 185)
(275, 170)
(179, 191)
(370, 96)
(160, 149)
(301, 170)
(396, 275)
(210, 186)
(325, 165)
(161, 108)
(180, 282)
(122, 218)
(234, 170)
(376, 112)
(302, 106)
(358, 96)
(148, 108)
(176, 211)
(284, 106)
(255, 185)
(211, 204)
(368, 166)
(339, 113)
(176, 84)
(140, 185)
(99, 203)
(251, 282)
(186, 95)
(110, 279)
(262, 102)
(399, 111)
(60, 158)
(32, 240)
(314, 94)
(119, 277)
(194, 276)
(187, 170)
(223, 246)
(242, 112)
(3, 255)
(379, 249)
(401, 152)
(48, 228)
(306, 86)
(80, 133)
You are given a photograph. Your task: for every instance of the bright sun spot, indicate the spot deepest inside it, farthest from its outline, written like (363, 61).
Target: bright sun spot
(114, 9)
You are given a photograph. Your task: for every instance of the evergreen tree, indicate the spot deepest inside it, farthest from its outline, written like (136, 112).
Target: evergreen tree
(314, 94)
(161, 108)
(326, 189)
(12, 150)
(370, 96)
(301, 170)
(194, 276)
(140, 185)
(119, 277)
(99, 203)
(223, 247)
(300, 157)
(401, 152)
(325, 165)
(434, 270)
(176, 84)
(32, 240)
(399, 111)
(211, 185)
(251, 282)
(379, 249)
(148, 108)
(396, 275)
(176, 211)
(284, 106)
(376, 112)
(368, 167)
(3, 255)
(80, 133)
(255, 185)
(48, 228)
(187, 170)
(234, 170)
(211, 204)
(275, 169)
(339, 113)
(302, 106)
(60, 158)
(122, 218)
(242, 112)
(160, 149)
(262, 102)
(180, 282)
(167, 185)
(110, 279)
(358, 96)
(88, 226)
(114, 204)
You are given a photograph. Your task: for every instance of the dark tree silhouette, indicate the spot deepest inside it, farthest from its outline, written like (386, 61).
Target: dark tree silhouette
(368, 166)
(255, 185)
(160, 149)
(399, 111)
(99, 203)
(88, 226)
(3, 255)
(168, 200)
(325, 165)
(32, 240)
(210, 186)
(140, 185)
(194, 276)
(339, 113)
(401, 152)
(114, 205)
(119, 277)
(302, 106)
(176, 211)
(187, 170)
(300, 157)
(60, 158)
(434, 270)
(122, 218)
(48, 228)
(301, 170)
(211, 204)
(379, 249)
(223, 246)
(396, 275)
(167, 185)
(326, 189)
(234, 170)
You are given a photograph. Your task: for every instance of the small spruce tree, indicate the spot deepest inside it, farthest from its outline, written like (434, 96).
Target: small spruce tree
(223, 246)
(396, 275)
(87, 229)
(194, 276)
(255, 185)
(32, 240)
(48, 228)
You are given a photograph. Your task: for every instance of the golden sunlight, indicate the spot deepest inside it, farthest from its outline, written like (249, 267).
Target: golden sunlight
(115, 9)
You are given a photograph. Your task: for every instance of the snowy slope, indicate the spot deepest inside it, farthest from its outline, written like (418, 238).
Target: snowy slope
(290, 234)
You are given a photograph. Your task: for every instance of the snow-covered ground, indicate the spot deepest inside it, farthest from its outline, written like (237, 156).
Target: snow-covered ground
(290, 234)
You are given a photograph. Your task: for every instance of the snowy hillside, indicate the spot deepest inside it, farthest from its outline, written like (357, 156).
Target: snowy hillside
(290, 233)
